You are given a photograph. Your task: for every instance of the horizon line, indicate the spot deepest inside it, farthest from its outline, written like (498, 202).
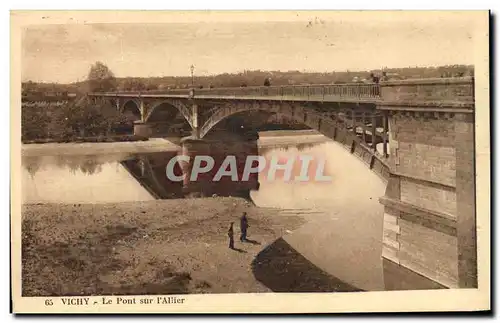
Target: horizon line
(258, 70)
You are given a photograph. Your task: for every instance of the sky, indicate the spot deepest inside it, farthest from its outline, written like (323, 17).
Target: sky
(64, 52)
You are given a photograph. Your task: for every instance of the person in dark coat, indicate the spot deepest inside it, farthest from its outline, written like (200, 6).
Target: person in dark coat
(244, 227)
(230, 234)
(374, 78)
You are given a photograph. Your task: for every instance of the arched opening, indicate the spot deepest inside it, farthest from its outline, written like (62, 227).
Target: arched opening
(257, 121)
(248, 124)
(367, 128)
(168, 120)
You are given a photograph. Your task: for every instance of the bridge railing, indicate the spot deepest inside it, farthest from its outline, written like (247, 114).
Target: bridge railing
(319, 91)
(453, 90)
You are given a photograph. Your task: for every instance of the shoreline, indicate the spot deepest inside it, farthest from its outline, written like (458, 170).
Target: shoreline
(162, 247)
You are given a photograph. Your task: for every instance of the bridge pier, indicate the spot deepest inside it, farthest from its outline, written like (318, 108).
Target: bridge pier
(143, 129)
(192, 147)
(420, 202)
(374, 132)
(152, 129)
(466, 219)
(195, 128)
(385, 137)
(429, 203)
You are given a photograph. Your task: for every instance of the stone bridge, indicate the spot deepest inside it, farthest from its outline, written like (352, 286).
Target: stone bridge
(417, 134)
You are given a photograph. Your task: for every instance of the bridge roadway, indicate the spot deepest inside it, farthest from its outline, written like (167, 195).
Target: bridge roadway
(428, 125)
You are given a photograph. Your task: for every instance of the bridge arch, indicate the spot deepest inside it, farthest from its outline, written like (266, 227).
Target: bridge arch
(336, 129)
(156, 106)
(131, 107)
(314, 120)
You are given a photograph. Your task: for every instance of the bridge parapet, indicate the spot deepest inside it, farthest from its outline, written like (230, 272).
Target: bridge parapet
(437, 92)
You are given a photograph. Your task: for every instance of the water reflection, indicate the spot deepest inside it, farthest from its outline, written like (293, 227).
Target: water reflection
(142, 176)
(78, 180)
(85, 164)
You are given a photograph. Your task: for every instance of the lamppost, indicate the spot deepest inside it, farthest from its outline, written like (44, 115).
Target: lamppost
(192, 75)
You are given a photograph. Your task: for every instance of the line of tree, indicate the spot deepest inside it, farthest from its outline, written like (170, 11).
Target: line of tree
(66, 119)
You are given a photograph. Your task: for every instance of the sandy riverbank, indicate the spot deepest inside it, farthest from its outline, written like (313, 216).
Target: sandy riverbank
(267, 140)
(91, 148)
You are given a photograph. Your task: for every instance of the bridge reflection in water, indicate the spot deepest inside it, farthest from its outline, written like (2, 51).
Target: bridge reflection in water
(151, 170)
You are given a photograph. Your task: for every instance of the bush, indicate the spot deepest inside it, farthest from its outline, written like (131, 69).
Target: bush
(72, 121)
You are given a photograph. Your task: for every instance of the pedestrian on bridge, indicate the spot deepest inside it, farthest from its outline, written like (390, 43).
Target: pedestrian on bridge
(243, 227)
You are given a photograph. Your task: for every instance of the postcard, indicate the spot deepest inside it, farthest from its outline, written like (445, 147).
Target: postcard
(250, 161)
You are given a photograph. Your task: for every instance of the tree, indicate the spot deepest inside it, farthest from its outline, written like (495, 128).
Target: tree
(101, 78)
(34, 122)
(133, 85)
(79, 119)
(87, 118)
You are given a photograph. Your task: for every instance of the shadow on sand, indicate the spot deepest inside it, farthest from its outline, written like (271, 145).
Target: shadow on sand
(239, 250)
(251, 241)
(282, 269)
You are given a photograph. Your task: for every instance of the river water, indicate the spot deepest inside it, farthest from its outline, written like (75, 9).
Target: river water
(342, 237)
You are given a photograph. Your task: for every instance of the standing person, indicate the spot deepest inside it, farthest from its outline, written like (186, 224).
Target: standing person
(230, 234)
(267, 83)
(244, 227)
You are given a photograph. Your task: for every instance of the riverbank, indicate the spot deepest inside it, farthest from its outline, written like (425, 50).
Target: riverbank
(98, 139)
(157, 247)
